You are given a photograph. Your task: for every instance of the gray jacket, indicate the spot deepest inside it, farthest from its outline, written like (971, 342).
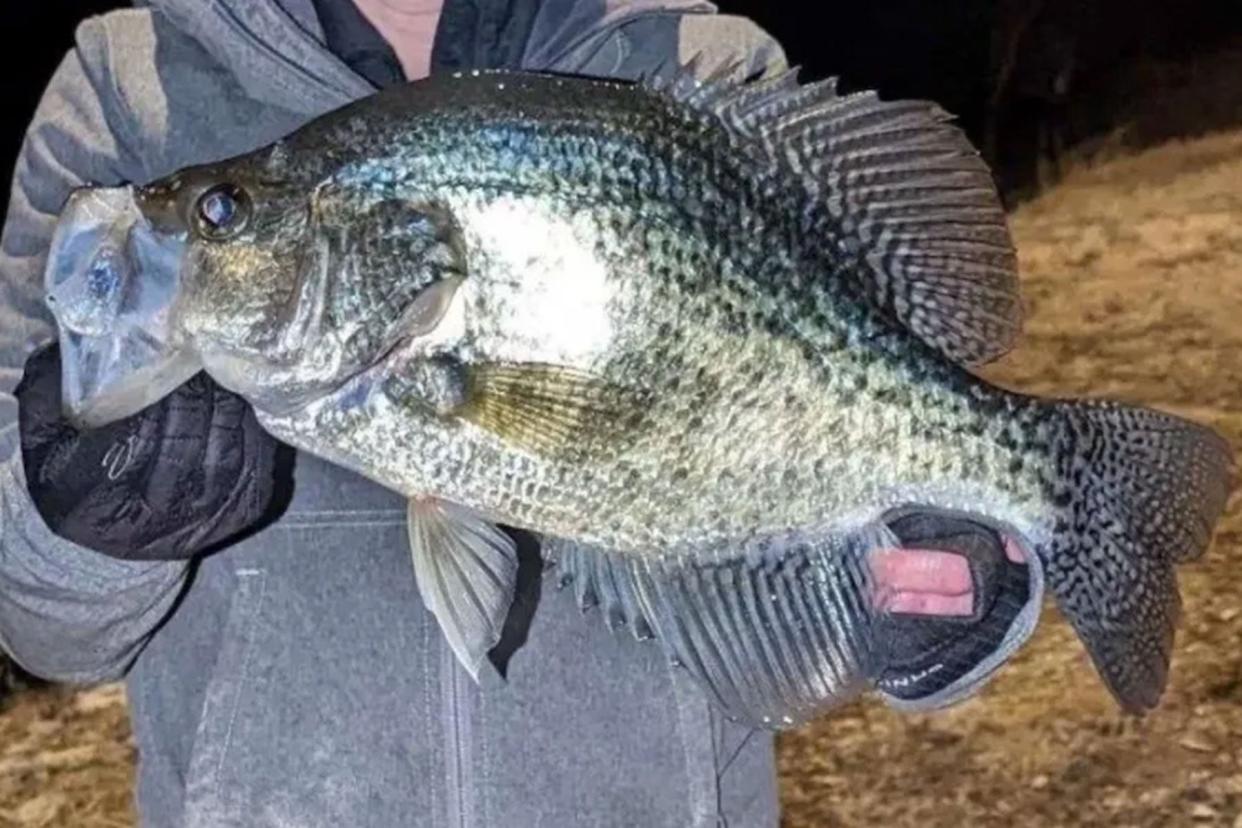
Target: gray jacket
(295, 679)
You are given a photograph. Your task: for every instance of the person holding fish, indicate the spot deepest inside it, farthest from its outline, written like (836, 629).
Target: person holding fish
(699, 345)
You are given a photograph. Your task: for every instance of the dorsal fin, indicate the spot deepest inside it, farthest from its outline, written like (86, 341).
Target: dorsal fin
(900, 197)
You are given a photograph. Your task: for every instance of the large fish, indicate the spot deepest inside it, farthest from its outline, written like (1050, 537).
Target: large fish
(710, 339)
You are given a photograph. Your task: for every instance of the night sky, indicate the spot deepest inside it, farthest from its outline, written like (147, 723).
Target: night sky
(859, 46)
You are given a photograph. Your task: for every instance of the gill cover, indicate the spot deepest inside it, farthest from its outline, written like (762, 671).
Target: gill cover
(112, 283)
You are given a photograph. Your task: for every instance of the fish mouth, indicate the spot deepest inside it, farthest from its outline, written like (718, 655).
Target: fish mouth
(112, 282)
(958, 599)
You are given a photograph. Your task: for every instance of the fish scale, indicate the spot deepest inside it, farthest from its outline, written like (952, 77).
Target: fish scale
(709, 339)
(661, 461)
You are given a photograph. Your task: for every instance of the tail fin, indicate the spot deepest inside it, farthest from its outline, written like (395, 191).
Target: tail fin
(1146, 490)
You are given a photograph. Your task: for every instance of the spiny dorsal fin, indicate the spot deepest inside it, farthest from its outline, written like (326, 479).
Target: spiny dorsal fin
(898, 194)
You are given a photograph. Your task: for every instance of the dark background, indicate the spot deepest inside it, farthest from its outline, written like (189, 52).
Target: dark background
(1029, 79)
(37, 38)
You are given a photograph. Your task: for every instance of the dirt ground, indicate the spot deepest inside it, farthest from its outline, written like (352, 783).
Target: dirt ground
(1133, 277)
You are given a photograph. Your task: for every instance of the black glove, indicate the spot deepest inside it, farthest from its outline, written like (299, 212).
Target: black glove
(939, 651)
(183, 475)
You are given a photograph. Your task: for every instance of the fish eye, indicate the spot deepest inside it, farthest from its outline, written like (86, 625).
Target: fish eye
(222, 212)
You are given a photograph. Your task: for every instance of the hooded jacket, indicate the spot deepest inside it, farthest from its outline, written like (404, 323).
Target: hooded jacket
(294, 678)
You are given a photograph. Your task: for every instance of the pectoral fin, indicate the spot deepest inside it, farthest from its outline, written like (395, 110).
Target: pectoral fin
(467, 573)
(552, 410)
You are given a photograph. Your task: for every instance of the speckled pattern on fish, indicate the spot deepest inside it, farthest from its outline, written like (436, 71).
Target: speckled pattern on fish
(705, 337)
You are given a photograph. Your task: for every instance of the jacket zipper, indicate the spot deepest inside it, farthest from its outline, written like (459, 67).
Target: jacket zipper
(457, 732)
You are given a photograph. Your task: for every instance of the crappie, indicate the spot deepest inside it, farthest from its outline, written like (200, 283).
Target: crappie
(708, 338)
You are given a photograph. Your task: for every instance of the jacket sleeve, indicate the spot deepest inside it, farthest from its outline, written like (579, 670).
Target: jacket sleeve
(719, 37)
(66, 612)
(650, 41)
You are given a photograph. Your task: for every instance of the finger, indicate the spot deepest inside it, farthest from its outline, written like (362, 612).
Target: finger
(921, 570)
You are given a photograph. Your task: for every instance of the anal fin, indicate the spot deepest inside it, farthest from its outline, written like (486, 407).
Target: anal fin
(774, 640)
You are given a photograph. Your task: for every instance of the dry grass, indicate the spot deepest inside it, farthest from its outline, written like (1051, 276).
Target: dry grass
(1134, 276)
(66, 759)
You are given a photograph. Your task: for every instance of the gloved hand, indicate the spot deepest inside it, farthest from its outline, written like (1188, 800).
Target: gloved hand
(189, 472)
(937, 648)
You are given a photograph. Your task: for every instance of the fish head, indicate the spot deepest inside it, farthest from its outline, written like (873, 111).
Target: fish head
(149, 284)
(302, 266)
(245, 229)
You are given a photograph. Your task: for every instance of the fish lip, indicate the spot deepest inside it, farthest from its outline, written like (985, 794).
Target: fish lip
(112, 283)
(89, 403)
